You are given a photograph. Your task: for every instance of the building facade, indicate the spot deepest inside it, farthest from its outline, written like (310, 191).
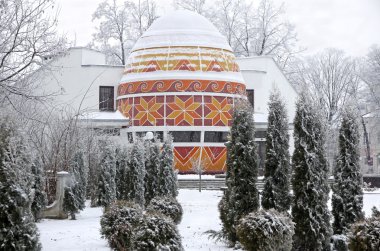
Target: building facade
(181, 78)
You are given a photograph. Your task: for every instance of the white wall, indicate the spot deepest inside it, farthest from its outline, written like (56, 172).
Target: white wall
(77, 76)
(262, 74)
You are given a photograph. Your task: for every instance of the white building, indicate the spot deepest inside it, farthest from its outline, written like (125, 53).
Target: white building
(85, 84)
(261, 74)
(81, 76)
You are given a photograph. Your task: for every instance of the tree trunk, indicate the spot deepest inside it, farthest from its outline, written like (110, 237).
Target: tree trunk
(200, 182)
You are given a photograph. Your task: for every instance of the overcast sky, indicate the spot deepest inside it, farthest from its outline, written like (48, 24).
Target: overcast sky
(351, 25)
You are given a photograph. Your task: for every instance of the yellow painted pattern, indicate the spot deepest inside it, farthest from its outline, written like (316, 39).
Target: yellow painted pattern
(184, 111)
(181, 59)
(220, 111)
(147, 111)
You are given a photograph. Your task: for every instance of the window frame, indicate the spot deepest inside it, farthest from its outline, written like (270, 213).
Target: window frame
(109, 103)
(195, 136)
(219, 137)
(251, 96)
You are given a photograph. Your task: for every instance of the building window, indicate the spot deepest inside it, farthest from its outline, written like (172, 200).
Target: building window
(251, 97)
(106, 98)
(261, 134)
(186, 136)
(216, 136)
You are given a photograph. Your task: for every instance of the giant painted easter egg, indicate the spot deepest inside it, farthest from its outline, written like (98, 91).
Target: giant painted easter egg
(181, 78)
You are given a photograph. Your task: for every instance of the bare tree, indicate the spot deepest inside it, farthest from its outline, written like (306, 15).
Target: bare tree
(256, 31)
(370, 74)
(192, 5)
(227, 17)
(144, 13)
(273, 34)
(332, 78)
(199, 166)
(120, 26)
(112, 31)
(27, 43)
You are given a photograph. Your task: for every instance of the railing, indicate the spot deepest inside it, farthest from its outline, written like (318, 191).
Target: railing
(215, 184)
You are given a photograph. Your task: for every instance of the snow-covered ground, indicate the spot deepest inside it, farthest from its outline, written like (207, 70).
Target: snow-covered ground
(81, 234)
(200, 215)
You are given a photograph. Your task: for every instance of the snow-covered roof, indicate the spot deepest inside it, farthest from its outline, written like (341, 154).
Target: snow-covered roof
(104, 116)
(103, 119)
(182, 28)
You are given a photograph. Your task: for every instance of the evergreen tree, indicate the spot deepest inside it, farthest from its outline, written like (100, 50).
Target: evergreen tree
(347, 198)
(122, 173)
(75, 194)
(70, 202)
(136, 165)
(40, 198)
(310, 188)
(106, 186)
(277, 161)
(242, 196)
(80, 174)
(151, 165)
(167, 177)
(17, 228)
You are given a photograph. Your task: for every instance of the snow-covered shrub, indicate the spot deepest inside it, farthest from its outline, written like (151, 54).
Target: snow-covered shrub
(39, 198)
(119, 223)
(75, 194)
(375, 212)
(126, 227)
(227, 232)
(167, 177)
(310, 188)
(105, 185)
(122, 173)
(136, 174)
(167, 206)
(365, 235)
(347, 198)
(151, 180)
(156, 232)
(241, 196)
(339, 242)
(18, 230)
(69, 202)
(276, 192)
(80, 173)
(266, 231)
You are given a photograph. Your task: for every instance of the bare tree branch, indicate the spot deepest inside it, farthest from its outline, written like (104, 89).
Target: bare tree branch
(120, 26)
(28, 41)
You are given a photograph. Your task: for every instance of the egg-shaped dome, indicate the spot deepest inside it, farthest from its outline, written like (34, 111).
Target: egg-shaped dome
(182, 28)
(181, 78)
